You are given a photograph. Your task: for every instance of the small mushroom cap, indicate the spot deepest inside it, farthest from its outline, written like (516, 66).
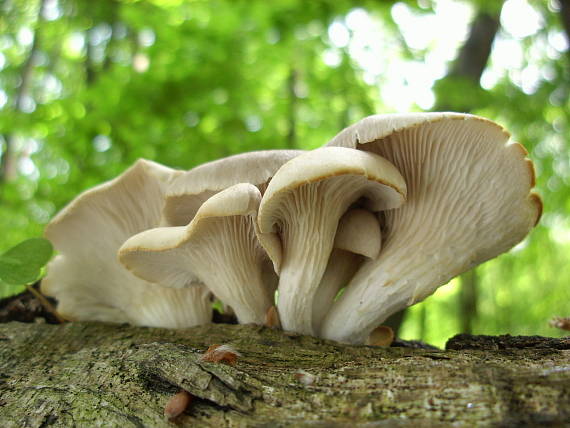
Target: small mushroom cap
(359, 233)
(194, 187)
(469, 200)
(146, 256)
(381, 336)
(219, 247)
(151, 254)
(318, 165)
(86, 278)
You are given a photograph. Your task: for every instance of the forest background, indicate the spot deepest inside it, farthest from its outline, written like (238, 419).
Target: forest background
(87, 87)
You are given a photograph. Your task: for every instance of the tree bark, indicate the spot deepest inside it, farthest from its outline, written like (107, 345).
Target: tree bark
(93, 374)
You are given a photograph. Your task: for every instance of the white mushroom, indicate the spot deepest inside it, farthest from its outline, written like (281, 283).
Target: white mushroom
(469, 199)
(86, 278)
(358, 237)
(219, 247)
(302, 206)
(192, 188)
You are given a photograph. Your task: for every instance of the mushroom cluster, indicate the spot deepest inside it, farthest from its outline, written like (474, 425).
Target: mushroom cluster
(338, 238)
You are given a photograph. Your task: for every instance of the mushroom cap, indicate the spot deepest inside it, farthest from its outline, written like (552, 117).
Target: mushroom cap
(87, 279)
(158, 255)
(219, 247)
(359, 233)
(192, 188)
(321, 164)
(303, 204)
(469, 200)
(329, 162)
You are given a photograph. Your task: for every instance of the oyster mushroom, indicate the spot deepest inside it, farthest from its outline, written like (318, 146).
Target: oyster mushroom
(469, 200)
(86, 278)
(192, 188)
(219, 247)
(302, 207)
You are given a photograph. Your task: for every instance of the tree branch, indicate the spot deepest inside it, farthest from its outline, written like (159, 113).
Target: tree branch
(90, 374)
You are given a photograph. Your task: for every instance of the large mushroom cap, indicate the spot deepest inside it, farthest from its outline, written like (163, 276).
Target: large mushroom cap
(469, 199)
(219, 247)
(190, 190)
(87, 279)
(303, 204)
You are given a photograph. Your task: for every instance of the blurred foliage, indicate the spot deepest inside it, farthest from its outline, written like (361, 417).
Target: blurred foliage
(88, 87)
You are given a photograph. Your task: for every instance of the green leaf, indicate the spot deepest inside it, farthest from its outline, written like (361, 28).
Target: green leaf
(23, 263)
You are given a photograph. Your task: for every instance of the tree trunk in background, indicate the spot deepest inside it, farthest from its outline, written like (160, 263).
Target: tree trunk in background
(113, 20)
(472, 58)
(90, 73)
(8, 160)
(475, 52)
(468, 68)
(468, 300)
(89, 374)
(292, 110)
(565, 17)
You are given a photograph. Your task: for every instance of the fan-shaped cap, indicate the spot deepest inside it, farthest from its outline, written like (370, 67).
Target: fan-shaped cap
(219, 246)
(469, 199)
(359, 233)
(194, 187)
(87, 279)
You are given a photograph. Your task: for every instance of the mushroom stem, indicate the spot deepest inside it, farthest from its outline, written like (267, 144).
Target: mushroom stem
(303, 267)
(384, 286)
(240, 282)
(177, 308)
(303, 205)
(219, 247)
(341, 267)
(358, 236)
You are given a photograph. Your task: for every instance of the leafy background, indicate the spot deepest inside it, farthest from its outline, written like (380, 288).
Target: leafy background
(88, 87)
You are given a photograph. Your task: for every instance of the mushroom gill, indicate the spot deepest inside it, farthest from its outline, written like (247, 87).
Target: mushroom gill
(219, 247)
(302, 207)
(469, 200)
(86, 277)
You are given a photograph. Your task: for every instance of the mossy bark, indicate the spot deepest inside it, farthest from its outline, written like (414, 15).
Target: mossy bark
(92, 374)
